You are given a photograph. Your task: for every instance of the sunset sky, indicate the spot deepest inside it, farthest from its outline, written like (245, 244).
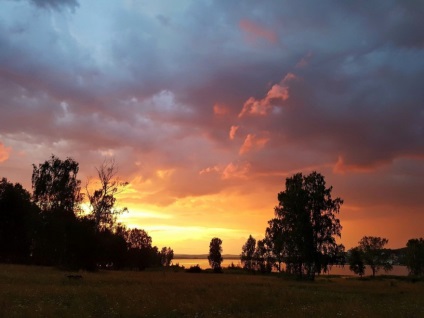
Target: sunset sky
(207, 106)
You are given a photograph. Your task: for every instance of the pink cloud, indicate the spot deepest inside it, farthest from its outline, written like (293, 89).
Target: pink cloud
(255, 31)
(233, 131)
(209, 170)
(236, 170)
(4, 152)
(341, 167)
(276, 95)
(304, 61)
(219, 109)
(253, 142)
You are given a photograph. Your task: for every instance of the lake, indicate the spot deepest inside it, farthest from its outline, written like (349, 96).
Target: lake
(335, 270)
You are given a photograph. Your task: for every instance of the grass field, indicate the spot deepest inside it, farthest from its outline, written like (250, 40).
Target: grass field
(45, 292)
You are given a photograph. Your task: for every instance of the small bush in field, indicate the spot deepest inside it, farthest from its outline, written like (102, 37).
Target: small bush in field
(194, 269)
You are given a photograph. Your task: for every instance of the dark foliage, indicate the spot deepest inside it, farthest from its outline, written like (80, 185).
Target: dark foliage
(49, 230)
(18, 220)
(306, 225)
(215, 257)
(194, 269)
(374, 254)
(356, 261)
(248, 253)
(415, 256)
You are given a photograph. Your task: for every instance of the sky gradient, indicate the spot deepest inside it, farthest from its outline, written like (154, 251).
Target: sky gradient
(207, 106)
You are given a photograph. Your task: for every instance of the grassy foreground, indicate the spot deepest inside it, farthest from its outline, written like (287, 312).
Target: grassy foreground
(45, 292)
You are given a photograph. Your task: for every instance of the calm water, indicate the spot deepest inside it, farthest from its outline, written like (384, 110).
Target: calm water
(335, 270)
(203, 263)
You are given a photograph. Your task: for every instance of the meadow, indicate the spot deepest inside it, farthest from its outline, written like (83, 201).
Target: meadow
(27, 291)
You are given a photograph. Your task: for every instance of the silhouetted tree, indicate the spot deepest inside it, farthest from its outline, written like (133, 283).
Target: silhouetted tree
(247, 254)
(274, 240)
(111, 249)
(215, 258)
(19, 218)
(415, 256)
(56, 190)
(141, 253)
(138, 239)
(374, 254)
(307, 215)
(167, 254)
(56, 187)
(356, 261)
(263, 258)
(102, 201)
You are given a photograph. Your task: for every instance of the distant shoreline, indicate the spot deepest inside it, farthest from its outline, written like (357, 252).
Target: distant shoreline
(204, 256)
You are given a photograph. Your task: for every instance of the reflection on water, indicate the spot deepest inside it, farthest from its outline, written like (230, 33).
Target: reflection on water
(335, 270)
(397, 271)
(203, 263)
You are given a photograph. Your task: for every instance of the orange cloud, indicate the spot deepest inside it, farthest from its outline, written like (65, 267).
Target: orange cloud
(233, 131)
(4, 152)
(304, 61)
(209, 170)
(253, 142)
(220, 110)
(255, 31)
(341, 167)
(277, 94)
(236, 171)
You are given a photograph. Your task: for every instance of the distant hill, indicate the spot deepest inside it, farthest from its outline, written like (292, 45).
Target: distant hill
(204, 256)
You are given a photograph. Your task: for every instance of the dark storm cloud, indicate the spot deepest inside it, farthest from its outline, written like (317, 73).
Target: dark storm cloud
(147, 76)
(55, 4)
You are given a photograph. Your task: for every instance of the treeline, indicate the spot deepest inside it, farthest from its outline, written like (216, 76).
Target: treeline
(303, 237)
(49, 227)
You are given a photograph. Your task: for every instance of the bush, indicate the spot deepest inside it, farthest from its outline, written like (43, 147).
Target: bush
(194, 269)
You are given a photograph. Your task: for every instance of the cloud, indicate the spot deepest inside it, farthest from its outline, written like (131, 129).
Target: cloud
(274, 97)
(220, 110)
(341, 167)
(55, 4)
(4, 152)
(304, 61)
(255, 31)
(253, 142)
(238, 170)
(233, 131)
(165, 93)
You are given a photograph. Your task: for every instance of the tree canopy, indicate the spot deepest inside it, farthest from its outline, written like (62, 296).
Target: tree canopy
(103, 200)
(55, 185)
(248, 253)
(415, 256)
(215, 258)
(307, 224)
(374, 255)
(47, 228)
(356, 261)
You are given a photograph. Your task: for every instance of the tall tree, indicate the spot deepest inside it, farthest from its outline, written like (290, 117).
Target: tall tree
(307, 215)
(247, 254)
(375, 256)
(56, 187)
(102, 201)
(215, 257)
(274, 241)
(56, 190)
(263, 258)
(415, 256)
(167, 254)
